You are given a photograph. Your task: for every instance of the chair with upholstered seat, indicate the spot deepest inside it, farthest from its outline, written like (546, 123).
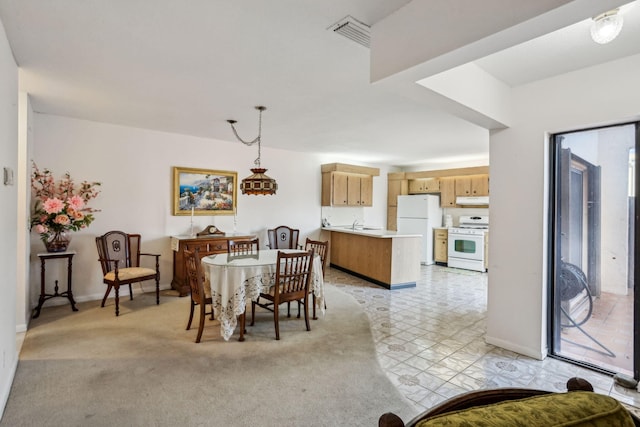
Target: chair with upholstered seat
(283, 237)
(293, 274)
(321, 249)
(200, 293)
(119, 255)
(238, 247)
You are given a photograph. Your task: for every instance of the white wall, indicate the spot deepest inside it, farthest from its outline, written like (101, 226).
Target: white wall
(23, 183)
(614, 152)
(8, 216)
(608, 93)
(135, 168)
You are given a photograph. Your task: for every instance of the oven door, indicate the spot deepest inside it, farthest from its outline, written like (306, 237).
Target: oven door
(466, 246)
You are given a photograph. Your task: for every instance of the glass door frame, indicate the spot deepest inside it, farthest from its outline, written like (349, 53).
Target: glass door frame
(552, 259)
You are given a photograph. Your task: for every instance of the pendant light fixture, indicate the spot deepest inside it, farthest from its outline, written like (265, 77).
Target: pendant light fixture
(606, 26)
(258, 182)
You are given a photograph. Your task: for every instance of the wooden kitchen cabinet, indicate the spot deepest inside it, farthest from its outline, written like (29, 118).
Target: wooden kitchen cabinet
(395, 188)
(447, 192)
(346, 189)
(440, 242)
(472, 185)
(480, 185)
(397, 185)
(420, 186)
(463, 186)
(363, 193)
(392, 218)
(207, 245)
(339, 189)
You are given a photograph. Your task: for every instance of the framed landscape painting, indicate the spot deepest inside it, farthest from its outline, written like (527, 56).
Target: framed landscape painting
(204, 191)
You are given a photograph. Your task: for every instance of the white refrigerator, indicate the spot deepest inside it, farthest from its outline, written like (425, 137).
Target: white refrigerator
(419, 214)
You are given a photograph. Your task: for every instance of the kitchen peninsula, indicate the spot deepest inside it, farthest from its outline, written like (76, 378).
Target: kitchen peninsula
(384, 257)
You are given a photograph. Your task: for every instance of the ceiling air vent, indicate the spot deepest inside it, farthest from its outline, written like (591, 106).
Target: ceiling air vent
(353, 29)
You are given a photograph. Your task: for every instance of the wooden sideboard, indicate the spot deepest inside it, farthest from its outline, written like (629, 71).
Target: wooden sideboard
(206, 244)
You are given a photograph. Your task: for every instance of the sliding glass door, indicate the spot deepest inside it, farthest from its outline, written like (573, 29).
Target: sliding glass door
(593, 312)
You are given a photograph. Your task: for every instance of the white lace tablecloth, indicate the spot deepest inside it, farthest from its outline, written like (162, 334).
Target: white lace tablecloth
(237, 280)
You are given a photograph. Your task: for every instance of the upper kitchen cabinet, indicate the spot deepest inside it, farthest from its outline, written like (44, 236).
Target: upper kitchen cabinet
(427, 185)
(448, 192)
(347, 185)
(397, 185)
(472, 185)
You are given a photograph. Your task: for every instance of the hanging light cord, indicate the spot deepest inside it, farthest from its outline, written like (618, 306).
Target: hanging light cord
(257, 138)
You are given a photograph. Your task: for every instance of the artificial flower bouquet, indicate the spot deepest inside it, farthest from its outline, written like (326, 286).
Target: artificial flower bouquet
(60, 206)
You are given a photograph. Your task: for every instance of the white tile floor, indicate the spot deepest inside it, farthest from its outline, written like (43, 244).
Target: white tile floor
(430, 340)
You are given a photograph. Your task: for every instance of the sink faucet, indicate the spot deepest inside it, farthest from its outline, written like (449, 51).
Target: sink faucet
(355, 223)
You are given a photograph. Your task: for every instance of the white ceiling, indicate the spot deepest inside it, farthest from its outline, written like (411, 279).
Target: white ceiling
(188, 66)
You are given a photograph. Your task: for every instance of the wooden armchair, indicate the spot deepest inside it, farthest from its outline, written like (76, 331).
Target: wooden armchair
(293, 275)
(283, 237)
(200, 293)
(321, 249)
(119, 256)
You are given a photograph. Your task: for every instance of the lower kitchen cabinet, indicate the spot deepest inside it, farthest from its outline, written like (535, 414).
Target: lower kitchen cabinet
(441, 240)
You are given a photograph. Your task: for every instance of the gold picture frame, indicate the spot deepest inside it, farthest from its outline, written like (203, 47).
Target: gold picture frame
(204, 191)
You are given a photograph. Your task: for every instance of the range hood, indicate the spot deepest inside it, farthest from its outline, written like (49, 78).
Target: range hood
(472, 200)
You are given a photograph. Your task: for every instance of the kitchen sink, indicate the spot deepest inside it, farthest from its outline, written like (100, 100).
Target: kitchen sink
(360, 228)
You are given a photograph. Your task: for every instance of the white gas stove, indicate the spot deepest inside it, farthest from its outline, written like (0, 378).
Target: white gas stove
(466, 247)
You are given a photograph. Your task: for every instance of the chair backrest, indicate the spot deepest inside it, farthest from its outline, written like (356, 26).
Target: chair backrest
(194, 276)
(320, 248)
(118, 246)
(293, 275)
(243, 246)
(283, 237)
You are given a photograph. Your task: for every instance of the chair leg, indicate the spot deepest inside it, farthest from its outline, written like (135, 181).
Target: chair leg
(314, 307)
(288, 309)
(298, 309)
(275, 320)
(212, 311)
(253, 312)
(306, 312)
(117, 288)
(190, 315)
(243, 317)
(201, 323)
(157, 290)
(130, 293)
(106, 294)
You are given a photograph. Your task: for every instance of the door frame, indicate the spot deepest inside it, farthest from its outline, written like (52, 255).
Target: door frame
(553, 255)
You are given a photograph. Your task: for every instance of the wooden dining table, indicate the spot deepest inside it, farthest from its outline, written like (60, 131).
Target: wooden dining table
(235, 280)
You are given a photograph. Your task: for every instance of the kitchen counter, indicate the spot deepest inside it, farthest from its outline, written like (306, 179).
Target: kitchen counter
(369, 231)
(384, 257)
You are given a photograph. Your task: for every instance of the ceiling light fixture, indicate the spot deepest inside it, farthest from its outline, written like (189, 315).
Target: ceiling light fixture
(258, 182)
(606, 26)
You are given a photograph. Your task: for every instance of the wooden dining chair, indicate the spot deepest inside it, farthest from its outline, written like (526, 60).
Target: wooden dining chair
(321, 249)
(119, 255)
(283, 237)
(243, 246)
(200, 293)
(293, 275)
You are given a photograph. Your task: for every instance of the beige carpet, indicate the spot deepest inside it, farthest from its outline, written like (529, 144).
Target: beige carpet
(143, 368)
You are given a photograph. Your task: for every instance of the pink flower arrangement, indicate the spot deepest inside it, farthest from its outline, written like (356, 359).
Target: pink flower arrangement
(60, 206)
